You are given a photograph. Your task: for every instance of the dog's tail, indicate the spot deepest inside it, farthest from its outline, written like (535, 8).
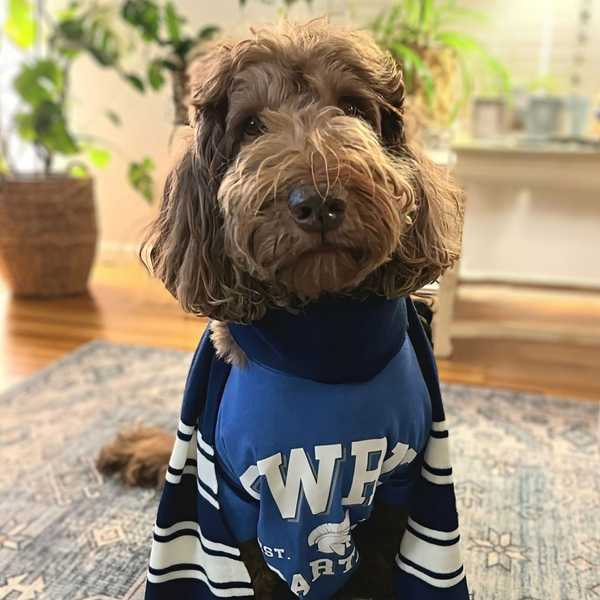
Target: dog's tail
(139, 457)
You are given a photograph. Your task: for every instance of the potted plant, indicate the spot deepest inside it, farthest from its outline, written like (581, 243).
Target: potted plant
(162, 28)
(48, 228)
(172, 46)
(438, 59)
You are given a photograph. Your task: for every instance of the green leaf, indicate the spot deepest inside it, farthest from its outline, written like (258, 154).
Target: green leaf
(467, 88)
(184, 47)
(140, 176)
(450, 13)
(51, 129)
(417, 73)
(143, 15)
(78, 170)
(4, 168)
(173, 22)
(458, 41)
(103, 44)
(426, 14)
(155, 74)
(40, 86)
(466, 46)
(39, 82)
(407, 55)
(135, 81)
(170, 65)
(71, 28)
(87, 30)
(46, 126)
(99, 157)
(390, 24)
(113, 117)
(413, 13)
(207, 32)
(24, 124)
(20, 25)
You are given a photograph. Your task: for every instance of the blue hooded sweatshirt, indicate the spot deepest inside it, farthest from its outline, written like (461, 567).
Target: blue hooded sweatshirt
(338, 407)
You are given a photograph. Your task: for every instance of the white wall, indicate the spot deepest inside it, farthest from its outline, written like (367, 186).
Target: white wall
(513, 30)
(531, 217)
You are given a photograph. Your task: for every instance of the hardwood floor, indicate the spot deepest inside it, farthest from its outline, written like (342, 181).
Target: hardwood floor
(125, 305)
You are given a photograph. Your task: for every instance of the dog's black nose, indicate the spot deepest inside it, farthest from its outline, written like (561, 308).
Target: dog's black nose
(312, 212)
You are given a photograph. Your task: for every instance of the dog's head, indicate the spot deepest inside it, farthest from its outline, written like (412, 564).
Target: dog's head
(299, 180)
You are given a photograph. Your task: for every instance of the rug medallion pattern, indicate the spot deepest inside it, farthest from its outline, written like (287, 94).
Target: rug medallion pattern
(527, 473)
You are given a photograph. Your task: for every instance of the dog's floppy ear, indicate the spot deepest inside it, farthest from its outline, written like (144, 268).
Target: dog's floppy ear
(431, 243)
(392, 91)
(184, 246)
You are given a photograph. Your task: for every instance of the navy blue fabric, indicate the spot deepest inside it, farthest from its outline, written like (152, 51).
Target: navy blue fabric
(195, 554)
(335, 340)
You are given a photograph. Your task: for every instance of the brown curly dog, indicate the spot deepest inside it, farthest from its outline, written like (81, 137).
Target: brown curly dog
(299, 181)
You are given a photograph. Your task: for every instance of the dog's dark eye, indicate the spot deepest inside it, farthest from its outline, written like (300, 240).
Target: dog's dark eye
(351, 107)
(253, 127)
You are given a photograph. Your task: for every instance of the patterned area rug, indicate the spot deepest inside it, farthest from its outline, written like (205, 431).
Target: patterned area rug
(527, 470)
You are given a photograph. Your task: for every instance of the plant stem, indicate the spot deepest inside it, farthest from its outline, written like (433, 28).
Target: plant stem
(47, 164)
(45, 156)
(40, 10)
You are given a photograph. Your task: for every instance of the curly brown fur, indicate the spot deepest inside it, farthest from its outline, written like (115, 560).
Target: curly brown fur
(225, 346)
(140, 456)
(311, 106)
(225, 243)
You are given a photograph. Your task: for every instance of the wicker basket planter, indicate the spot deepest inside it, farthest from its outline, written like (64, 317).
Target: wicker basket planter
(48, 235)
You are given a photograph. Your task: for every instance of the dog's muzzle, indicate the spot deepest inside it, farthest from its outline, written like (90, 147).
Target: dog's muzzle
(312, 212)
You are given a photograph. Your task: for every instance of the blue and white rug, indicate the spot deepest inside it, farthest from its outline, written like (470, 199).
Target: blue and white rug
(527, 472)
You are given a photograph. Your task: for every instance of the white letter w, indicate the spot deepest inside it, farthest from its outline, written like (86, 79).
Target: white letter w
(300, 473)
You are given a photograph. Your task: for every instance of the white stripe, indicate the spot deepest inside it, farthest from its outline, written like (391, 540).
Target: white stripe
(207, 496)
(437, 453)
(206, 447)
(437, 479)
(439, 583)
(182, 450)
(433, 533)
(179, 454)
(249, 476)
(175, 479)
(187, 470)
(186, 429)
(189, 574)
(439, 559)
(217, 546)
(206, 472)
(402, 454)
(439, 426)
(187, 549)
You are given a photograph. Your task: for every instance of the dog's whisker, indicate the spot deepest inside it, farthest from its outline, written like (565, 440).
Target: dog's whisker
(312, 171)
(338, 167)
(319, 143)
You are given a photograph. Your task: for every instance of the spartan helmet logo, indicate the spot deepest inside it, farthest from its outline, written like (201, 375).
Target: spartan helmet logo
(332, 538)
